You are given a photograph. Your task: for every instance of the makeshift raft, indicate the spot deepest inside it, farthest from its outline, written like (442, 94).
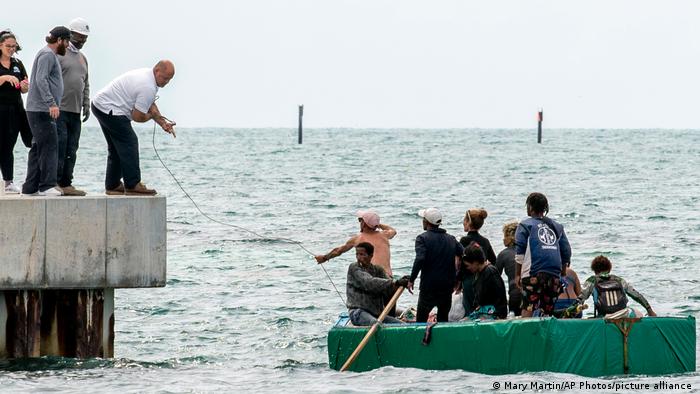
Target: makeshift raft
(586, 347)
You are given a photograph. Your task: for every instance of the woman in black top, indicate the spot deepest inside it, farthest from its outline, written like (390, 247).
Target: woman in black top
(13, 82)
(489, 290)
(473, 221)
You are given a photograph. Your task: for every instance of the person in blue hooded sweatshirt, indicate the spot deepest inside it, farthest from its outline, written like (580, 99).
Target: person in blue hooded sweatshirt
(542, 253)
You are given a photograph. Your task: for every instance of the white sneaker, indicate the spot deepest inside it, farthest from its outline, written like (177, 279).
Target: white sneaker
(11, 188)
(53, 192)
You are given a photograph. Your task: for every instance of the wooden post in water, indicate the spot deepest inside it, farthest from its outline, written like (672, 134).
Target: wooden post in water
(540, 116)
(301, 115)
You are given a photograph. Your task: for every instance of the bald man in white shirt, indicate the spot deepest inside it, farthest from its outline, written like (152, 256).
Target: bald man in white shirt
(130, 97)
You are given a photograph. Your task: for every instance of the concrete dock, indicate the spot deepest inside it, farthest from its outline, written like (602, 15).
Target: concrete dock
(61, 259)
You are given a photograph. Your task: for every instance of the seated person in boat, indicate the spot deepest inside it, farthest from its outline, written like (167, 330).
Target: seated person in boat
(489, 290)
(570, 290)
(609, 291)
(368, 286)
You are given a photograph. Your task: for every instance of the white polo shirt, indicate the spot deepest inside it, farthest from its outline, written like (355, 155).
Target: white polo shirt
(134, 90)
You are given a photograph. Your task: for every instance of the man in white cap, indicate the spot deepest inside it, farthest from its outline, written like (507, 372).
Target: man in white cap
(372, 231)
(76, 98)
(438, 255)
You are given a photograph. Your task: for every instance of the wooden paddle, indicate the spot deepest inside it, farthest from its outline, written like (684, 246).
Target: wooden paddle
(372, 330)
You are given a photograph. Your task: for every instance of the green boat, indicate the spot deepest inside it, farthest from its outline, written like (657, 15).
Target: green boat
(586, 347)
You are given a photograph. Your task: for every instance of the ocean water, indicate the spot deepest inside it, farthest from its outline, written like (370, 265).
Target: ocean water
(240, 312)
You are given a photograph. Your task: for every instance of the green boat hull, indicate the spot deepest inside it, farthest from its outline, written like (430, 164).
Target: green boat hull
(586, 347)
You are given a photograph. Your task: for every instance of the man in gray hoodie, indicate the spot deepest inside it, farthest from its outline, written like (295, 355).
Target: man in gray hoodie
(76, 97)
(45, 92)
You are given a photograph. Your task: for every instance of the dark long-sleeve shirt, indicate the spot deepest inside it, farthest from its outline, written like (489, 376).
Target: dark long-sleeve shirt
(474, 236)
(489, 290)
(435, 260)
(483, 242)
(505, 261)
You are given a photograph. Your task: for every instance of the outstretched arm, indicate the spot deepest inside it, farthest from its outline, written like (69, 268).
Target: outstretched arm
(336, 251)
(153, 113)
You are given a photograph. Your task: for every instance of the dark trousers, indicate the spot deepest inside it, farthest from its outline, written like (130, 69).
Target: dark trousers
(123, 150)
(43, 156)
(427, 300)
(9, 129)
(68, 128)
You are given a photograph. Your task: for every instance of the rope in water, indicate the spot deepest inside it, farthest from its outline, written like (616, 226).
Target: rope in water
(189, 197)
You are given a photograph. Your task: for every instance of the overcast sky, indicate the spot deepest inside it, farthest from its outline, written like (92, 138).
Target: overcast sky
(402, 63)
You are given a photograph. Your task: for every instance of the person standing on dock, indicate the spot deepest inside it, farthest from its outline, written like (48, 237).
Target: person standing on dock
(13, 119)
(542, 253)
(76, 98)
(438, 255)
(45, 92)
(372, 231)
(130, 96)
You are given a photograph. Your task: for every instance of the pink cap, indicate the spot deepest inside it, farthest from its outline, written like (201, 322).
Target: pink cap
(370, 218)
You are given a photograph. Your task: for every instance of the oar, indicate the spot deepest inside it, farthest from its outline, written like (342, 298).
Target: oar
(372, 330)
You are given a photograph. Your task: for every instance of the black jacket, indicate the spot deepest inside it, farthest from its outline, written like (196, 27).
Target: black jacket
(435, 259)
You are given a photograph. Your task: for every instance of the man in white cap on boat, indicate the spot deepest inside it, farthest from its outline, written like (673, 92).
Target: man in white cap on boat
(372, 231)
(76, 99)
(438, 255)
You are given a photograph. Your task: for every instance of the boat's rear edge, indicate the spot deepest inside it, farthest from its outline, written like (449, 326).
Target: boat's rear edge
(586, 347)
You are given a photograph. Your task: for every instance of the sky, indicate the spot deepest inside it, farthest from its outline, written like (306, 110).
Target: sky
(397, 64)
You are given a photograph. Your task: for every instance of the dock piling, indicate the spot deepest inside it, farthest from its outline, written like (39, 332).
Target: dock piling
(301, 115)
(540, 117)
(61, 261)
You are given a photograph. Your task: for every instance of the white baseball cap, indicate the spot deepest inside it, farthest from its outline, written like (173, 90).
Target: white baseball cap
(432, 215)
(79, 25)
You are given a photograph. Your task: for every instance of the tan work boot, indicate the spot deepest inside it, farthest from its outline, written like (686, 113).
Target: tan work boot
(117, 191)
(140, 190)
(71, 191)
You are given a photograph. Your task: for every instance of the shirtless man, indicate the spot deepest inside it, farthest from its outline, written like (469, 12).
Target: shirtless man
(373, 232)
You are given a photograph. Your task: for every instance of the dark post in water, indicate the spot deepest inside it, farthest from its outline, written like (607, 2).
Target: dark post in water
(540, 116)
(301, 115)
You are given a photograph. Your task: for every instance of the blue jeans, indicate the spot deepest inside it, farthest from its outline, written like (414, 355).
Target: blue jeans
(68, 128)
(43, 156)
(361, 317)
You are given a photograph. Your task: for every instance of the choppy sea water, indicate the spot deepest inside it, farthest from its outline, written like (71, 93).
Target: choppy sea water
(243, 313)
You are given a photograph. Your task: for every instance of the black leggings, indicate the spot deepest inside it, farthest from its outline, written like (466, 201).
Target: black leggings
(9, 129)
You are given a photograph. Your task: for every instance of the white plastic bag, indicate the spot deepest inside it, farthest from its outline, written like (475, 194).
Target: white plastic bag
(457, 309)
